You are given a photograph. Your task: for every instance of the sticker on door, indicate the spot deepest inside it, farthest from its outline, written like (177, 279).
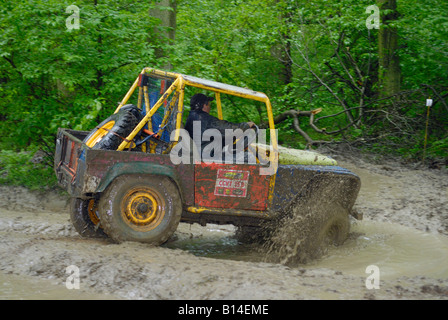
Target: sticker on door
(231, 183)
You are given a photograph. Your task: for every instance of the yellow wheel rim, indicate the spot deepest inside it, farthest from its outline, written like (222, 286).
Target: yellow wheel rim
(100, 133)
(92, 209)
(143, 208)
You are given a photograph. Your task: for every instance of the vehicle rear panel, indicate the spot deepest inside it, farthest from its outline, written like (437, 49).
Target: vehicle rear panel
(82, 171)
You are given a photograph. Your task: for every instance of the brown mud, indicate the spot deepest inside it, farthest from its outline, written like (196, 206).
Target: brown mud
(404, 233)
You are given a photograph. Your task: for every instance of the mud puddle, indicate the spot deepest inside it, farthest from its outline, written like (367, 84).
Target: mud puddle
(212, 241)
(404, 234)
(14, 287)
(396, 250)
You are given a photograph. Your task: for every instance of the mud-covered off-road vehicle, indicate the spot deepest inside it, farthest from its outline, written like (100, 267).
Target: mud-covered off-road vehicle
(125, 185)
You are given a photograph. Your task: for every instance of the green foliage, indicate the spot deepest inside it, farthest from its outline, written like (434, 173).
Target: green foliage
(423, 26)
(439, 148)
(303, 54)
(22, 169)
(53, 76)
(249, 43)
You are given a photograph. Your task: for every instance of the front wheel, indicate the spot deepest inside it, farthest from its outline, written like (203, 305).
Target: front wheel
(307, 233)
(140, 208)
(334, 230)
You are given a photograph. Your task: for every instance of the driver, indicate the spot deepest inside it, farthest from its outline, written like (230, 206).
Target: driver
(200, 111)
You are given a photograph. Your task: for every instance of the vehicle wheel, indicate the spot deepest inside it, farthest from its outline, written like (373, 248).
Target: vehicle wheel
(140, 208)
(84, 217)
(307, 234)
(251, 234)
(110, 133)
(332, 231)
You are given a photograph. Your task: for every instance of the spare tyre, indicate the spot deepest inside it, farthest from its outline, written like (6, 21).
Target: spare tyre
(110, 133)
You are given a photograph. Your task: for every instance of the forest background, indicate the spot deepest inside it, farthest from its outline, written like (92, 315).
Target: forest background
(346, 74)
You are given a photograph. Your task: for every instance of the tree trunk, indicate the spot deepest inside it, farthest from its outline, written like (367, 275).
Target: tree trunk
(389, 61)
(168, 21)
(285, 55)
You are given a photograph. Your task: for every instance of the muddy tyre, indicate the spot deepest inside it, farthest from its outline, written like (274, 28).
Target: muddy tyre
(110, 133)
(307, 234)
(84, 217)
(324, 228)
(140, 208)
(331, 229)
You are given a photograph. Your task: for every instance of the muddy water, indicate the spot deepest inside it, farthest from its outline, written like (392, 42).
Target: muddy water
(404, 234)
(14, 287)
(396, 250)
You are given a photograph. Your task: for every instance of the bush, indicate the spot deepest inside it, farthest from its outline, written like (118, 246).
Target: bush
(26, 169)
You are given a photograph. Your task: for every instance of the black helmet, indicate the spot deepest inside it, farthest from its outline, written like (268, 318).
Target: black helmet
(198, 100)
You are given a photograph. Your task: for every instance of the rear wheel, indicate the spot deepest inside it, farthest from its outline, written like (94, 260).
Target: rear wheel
(84, 217)
(140, 208)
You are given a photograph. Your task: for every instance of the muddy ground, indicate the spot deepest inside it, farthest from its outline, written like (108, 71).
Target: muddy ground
(38, 243)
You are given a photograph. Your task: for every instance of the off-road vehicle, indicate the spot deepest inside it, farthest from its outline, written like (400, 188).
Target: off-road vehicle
(125, 185)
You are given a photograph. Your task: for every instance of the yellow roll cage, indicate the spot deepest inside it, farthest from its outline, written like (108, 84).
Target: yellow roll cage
(178, 86)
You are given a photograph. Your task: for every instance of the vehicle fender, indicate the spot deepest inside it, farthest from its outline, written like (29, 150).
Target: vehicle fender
(332, 183)
(137, 168)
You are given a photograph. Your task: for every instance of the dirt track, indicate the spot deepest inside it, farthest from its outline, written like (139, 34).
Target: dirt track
(38, 243)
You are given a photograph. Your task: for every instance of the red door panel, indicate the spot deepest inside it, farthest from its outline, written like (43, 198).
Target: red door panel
(235, 186)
